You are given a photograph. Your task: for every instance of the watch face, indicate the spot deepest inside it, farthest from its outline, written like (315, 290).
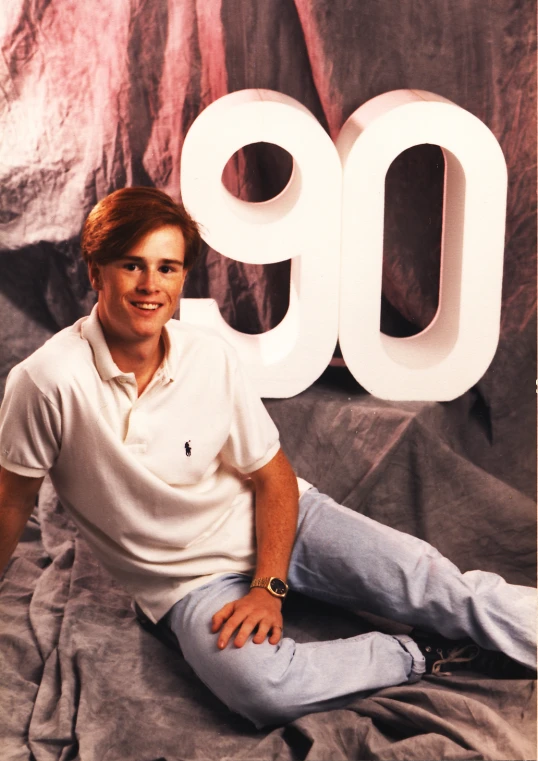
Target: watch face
(278, 586)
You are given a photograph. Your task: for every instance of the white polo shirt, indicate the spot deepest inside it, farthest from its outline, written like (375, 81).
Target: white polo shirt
(153, 482)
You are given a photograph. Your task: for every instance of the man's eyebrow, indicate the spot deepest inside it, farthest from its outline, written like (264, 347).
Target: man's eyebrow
(140, 259)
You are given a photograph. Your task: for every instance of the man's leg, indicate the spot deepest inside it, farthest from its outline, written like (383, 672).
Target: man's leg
(345, 558)
(274, 684)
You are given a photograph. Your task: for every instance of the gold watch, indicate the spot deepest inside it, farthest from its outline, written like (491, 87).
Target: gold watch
(272, 584)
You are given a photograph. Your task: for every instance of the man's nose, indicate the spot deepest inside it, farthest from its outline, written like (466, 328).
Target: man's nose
(149, 280)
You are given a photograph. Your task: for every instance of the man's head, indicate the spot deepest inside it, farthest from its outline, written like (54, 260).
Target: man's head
(139, 245)
(120, 220)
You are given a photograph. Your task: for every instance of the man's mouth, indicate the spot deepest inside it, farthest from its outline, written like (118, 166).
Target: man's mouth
(147, 306)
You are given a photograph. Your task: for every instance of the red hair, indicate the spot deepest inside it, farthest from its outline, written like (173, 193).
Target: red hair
(122, 218)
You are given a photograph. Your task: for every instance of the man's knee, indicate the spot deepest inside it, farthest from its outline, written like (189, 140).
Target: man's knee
(264, 704)
(252, 681)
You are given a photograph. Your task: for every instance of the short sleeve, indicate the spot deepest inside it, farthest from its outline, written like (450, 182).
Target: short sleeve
(30, 427)
(253, 440)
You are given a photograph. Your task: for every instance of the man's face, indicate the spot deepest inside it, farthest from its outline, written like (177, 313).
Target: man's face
(139, 293)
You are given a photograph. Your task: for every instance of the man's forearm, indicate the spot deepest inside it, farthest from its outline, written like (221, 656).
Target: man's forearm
(276, 520)
(17, 499)
(12, 523)
(276, 524)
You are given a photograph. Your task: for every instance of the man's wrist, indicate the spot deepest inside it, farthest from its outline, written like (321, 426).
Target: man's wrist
(274, 585)
(263, 597)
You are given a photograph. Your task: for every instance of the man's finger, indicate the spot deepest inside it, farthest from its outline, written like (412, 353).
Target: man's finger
(221, 616)
(247, 627)
(263, 629)
(276, 635)
(228, 629)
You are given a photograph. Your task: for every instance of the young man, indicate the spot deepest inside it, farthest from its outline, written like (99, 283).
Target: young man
(171, 469)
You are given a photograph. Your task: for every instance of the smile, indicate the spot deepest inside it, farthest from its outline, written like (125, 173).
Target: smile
(146, 306)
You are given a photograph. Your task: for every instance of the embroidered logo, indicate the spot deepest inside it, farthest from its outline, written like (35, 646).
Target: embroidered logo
(188, 450)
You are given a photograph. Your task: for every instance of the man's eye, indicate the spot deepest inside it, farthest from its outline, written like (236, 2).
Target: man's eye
(130, 266)
(167, 269)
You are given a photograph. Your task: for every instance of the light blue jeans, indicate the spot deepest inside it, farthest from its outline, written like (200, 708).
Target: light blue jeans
(344, 558)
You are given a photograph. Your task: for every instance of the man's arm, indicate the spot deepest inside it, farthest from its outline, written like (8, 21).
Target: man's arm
(17, 500)
(276, 523)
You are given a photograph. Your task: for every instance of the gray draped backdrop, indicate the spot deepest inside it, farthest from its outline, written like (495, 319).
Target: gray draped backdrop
(96, 96)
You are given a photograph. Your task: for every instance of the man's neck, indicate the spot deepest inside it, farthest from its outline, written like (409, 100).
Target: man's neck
(139, 357)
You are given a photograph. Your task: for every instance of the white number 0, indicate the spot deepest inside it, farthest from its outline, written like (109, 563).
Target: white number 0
(329, 222)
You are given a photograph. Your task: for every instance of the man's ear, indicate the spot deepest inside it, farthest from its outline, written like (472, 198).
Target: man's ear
(94, 273)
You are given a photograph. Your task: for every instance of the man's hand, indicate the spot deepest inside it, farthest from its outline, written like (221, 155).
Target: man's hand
(256, 609)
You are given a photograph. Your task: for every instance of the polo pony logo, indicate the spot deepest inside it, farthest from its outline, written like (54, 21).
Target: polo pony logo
(188, 450)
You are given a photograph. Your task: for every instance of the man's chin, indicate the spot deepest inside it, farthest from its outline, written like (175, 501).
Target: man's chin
(145, 332)
(148, 324)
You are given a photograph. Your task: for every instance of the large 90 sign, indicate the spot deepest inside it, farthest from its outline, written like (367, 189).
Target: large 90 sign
(329, 222)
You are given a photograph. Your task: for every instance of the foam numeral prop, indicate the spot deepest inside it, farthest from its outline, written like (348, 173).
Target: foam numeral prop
(302, 223)
(454, 351)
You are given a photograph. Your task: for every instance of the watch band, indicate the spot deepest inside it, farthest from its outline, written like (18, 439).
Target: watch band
(272, 584)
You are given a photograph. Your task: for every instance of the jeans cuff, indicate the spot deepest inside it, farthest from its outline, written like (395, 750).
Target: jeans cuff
(418, 666)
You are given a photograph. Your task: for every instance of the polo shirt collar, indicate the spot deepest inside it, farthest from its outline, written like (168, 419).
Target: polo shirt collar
(92, 331)
(170, 356)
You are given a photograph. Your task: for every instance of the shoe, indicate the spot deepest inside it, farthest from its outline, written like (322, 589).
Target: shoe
(444, 656)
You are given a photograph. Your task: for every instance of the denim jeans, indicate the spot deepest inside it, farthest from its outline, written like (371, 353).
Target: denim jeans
(344, 558)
